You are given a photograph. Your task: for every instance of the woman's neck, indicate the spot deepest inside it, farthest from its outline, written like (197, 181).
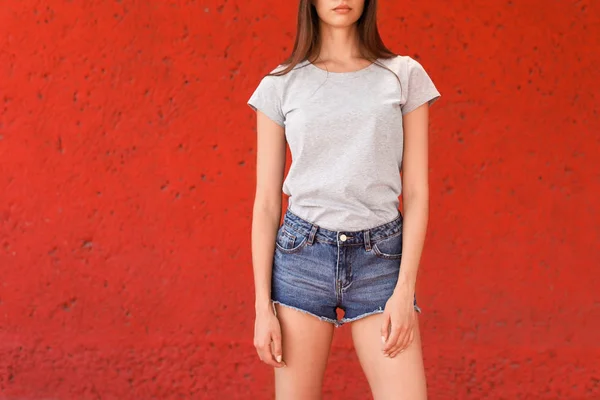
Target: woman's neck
(339, 44)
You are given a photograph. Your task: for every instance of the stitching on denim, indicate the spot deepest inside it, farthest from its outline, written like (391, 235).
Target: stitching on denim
(284, 231)
(386, 237)
(291, 251)
(295, 219)
(338, 291)
(388, 256)
(290, 227)
(345, 288)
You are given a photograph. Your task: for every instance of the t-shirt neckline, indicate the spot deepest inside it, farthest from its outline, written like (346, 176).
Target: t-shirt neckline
(346, 74)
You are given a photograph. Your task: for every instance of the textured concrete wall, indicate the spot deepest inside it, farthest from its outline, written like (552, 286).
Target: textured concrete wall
(127, 159)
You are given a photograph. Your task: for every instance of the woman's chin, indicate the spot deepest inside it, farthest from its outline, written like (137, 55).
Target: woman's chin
(340, 21)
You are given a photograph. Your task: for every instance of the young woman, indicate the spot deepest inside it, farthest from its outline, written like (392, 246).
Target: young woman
(355, 116)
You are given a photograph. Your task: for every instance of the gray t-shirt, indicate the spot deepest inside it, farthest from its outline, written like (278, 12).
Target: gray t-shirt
(345, 135)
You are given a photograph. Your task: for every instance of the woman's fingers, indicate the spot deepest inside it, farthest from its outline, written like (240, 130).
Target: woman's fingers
(392, 342)
(403, 342)
(387, 333)
(385, 328)
(267, 340)
(277, 350)
(263, 348)
(400, 326)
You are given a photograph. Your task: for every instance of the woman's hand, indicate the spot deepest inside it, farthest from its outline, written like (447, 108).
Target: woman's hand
(398, 321)
(267, 338)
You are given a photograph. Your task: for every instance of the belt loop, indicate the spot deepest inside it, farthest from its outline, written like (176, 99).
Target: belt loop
(367, 235)
(313, 232)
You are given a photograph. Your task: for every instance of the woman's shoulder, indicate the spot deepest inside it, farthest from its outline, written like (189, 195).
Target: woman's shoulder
(404, 65)
(275, 74)
(278, 68)
(397, 62)
(290, 71)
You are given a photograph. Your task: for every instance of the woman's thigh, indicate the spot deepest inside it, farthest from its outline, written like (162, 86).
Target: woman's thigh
(306, 341)
(398, 378)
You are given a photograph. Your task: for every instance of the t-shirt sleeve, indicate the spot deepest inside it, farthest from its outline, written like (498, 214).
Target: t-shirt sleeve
(421, 88)
(267, 99)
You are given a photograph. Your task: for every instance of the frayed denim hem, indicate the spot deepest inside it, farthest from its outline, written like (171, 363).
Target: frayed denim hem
(335, 322)
(378, 311)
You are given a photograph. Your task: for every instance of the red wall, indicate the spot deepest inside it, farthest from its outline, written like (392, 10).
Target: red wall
(127, 171)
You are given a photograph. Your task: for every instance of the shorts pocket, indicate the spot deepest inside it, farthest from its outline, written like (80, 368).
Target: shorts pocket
(389, 247)
(289, 241)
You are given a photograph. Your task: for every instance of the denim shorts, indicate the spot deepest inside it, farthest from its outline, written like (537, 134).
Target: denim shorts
(316, 270)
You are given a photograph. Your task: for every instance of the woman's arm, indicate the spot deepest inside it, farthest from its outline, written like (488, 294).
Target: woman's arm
(270, 169)
(415, 194)
(397, 328)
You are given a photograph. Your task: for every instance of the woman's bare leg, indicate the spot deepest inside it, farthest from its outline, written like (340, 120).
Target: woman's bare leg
(398, 378)
(306, 341)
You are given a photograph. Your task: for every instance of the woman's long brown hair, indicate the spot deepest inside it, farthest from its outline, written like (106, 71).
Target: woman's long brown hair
(307, 44)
